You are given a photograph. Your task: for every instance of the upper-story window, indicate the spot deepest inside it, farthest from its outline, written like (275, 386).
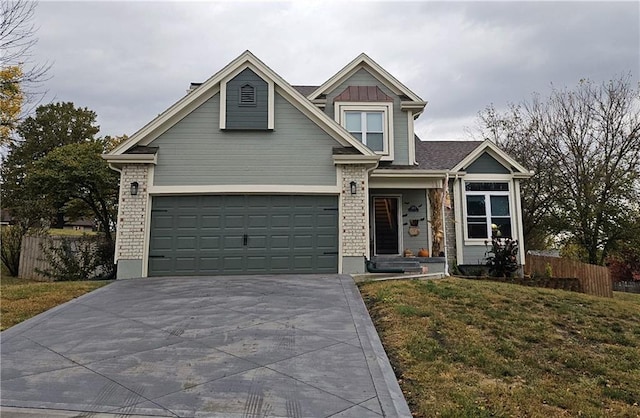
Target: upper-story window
(370, 123)
(487, 209)
(368, 127)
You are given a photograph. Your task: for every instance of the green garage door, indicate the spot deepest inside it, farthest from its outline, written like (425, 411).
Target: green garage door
(205, 235)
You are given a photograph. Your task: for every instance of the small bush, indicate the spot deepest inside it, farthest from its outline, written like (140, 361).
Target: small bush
(502, 258)
(78, 258)
(10, 251)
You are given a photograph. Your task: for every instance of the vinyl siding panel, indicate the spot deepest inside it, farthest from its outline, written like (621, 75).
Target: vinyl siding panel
(474, 254)
(400, 130)
(196, 152)
(247, 117)
(486, 164)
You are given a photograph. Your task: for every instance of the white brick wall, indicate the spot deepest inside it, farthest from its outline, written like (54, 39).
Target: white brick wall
(354, 209)
(132, 212)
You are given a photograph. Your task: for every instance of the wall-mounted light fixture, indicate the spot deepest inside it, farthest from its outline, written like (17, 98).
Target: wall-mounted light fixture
(353, 187)
(134, 188)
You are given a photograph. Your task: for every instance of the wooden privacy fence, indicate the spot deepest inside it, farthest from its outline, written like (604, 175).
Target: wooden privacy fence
(594, 280)
(32, 257)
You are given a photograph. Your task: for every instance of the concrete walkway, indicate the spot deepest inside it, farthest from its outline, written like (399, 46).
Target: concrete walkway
(250, 346)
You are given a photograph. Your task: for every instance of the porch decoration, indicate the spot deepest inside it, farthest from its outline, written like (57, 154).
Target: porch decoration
(423, 253)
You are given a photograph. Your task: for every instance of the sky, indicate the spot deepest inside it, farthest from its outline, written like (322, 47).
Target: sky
(129, 61)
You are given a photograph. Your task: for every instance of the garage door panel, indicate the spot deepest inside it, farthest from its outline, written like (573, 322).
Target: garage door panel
(210, 221)
(186, 243)
(210, 243)
(206, 234)
(234, 221)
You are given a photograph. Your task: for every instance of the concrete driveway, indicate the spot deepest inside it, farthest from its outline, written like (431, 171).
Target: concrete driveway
(250, 346)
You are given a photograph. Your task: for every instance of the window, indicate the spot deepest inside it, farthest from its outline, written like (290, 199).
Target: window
(367, 127)
(370, 123)
(247, 95)
(487, 209)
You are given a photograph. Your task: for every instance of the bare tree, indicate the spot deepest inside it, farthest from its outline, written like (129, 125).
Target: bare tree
(17, 40)
(584, 145)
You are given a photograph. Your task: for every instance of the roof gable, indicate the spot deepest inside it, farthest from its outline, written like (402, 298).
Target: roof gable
(210, 87)
(363, 61)
(499, 155)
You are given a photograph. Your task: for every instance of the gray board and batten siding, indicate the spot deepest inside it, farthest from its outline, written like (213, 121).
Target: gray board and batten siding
(486, 164)
(243, 234)
(400, 127)
(195, 151)
(249, 115)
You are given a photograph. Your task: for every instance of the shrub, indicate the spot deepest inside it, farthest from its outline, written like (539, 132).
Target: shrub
(502, 257)
(10, 251)
(78, 258)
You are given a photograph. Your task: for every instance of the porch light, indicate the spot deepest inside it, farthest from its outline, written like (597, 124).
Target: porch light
(353, 187)
(134, 188)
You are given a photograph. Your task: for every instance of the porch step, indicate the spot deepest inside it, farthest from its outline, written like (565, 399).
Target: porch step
(409, 265)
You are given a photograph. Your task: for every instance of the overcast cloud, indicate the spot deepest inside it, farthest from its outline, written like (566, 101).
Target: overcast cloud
(129, 61)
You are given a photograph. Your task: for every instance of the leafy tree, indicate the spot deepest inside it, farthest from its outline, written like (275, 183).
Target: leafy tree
(52, 126)
(77, 172)
(11, 99)
(584, 145)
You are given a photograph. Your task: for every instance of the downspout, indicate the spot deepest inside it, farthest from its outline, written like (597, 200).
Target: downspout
(444, 225)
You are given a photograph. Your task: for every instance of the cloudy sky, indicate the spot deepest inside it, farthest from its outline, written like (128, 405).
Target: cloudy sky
(128, 61)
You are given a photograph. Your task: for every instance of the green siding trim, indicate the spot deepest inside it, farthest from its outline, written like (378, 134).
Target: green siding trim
(486, 164)
(196, 152)
(247, 117)
(400, 128)
(129, 269)
(353, 265)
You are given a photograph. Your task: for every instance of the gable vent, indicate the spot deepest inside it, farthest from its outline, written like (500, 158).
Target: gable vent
(247, 95)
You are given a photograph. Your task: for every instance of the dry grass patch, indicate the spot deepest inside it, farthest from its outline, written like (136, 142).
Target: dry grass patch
(465, 348)
(22, 299)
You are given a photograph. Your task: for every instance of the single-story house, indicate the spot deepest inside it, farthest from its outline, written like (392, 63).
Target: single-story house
(247, 174)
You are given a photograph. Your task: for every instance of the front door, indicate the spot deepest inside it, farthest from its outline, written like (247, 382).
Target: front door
(385, 225)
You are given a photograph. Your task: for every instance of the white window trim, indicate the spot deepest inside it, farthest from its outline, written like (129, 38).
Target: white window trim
(487, 194)
(387, 121)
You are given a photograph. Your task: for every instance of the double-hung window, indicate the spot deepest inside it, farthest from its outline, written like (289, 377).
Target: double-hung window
(368, 127)
(487, 209)
(369, 123)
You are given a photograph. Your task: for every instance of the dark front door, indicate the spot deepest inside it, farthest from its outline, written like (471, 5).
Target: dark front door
(385, 216)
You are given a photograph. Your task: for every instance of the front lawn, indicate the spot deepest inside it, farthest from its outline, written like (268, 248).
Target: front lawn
(467, 348)
(22, 299)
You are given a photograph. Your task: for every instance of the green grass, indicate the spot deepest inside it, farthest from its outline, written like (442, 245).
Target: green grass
(59, 232)
(467, 348)
(22, 299)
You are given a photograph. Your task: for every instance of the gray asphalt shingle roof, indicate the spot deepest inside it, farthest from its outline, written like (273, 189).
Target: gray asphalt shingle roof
(442, 155)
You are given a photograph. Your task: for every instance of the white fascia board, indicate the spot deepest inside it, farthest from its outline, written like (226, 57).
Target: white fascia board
(495, 152)
(362, 61)
(131, 158)
(405, 105)
(381, 172)
(355, 159)
(242, 189)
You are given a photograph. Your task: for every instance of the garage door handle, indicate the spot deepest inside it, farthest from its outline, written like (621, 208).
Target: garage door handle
(330, 253)
(156, 256)
(245, 239)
